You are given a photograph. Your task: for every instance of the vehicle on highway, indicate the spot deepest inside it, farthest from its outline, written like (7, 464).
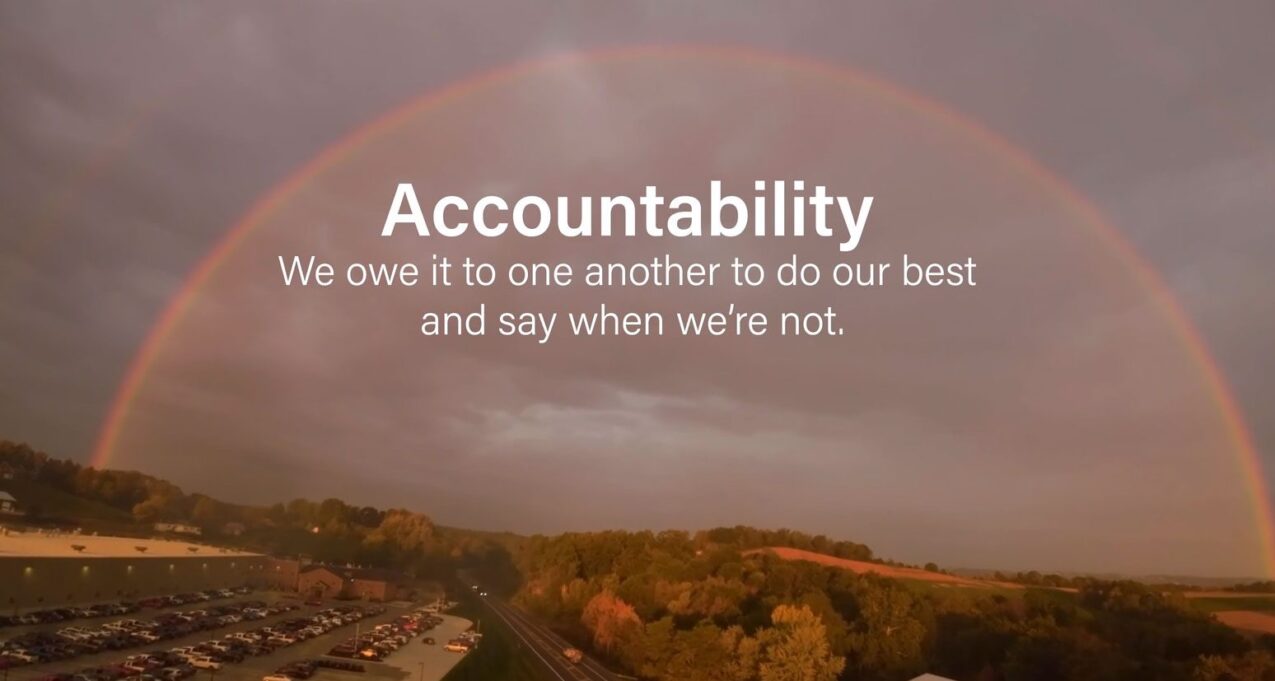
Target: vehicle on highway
(573, 655)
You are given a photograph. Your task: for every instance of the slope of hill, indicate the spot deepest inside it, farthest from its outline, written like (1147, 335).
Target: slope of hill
(41, 501)
(865, 567)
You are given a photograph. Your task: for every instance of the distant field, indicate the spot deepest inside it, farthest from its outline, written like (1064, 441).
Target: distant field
(1248, 620)
(864, 567)
(1251, 602)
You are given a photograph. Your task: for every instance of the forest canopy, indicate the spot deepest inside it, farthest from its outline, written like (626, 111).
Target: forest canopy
(711, 606)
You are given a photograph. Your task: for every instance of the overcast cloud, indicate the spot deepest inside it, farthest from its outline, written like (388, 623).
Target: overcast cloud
(1048, 419)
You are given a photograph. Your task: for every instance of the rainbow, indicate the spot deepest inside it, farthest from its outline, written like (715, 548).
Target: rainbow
(1248, 459)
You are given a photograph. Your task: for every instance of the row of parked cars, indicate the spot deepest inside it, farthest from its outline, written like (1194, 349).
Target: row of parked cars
(116, 608)
(427, 618)
(183, 662)
(77, 640)
(464, 642)
(380, 641)
(373, 645)
(304, 669)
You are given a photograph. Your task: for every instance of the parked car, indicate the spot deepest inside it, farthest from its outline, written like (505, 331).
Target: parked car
(203, 662)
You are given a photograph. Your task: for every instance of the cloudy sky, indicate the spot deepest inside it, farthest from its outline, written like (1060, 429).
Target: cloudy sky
(1050, 418)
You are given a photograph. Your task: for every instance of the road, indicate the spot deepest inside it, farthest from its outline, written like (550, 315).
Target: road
(548, 646)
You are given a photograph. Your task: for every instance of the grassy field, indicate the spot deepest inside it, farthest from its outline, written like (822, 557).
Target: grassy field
(892, 571)
(1251, 602)
(500, 656)
(41, 501)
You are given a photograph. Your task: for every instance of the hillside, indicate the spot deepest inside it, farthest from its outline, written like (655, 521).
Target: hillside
(865, 567)
(40, 501)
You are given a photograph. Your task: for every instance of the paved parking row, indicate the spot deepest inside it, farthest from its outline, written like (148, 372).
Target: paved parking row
(415, 659)
(112, 658)
(17, 623)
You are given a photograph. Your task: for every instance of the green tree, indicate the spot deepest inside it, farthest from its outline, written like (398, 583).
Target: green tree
(796, 648)
(1256, 665)
(886, 637)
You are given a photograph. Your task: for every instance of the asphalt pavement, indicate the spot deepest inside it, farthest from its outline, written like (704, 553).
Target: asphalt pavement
(547, 647)
(416, 660)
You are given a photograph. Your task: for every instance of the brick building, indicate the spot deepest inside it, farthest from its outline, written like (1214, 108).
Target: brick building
(281, 573)
(330, 581)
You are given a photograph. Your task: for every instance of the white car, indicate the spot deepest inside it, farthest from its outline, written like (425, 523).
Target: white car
(202, 662)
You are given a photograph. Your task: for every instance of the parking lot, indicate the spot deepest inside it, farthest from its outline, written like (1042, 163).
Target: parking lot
(412, 658)
(415, 661)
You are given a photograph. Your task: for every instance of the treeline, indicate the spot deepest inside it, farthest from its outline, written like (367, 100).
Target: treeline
(1034, 578)
(328, 531)
(672, 605)
(743, 537)
(708, 606)
(1263, 587)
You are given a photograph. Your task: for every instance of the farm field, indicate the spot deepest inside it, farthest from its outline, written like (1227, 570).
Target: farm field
(1248, 620)
(1215, 602)
(865, 567)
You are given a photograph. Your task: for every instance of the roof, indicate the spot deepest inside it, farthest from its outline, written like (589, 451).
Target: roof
(5, 496)
(369, 574)
(36, 544)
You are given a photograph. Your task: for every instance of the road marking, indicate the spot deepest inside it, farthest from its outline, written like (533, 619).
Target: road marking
(552, 649)
(589, 664)
(576, 671)
(528, 643)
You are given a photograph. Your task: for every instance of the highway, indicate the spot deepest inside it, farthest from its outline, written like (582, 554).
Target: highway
(548, 646)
